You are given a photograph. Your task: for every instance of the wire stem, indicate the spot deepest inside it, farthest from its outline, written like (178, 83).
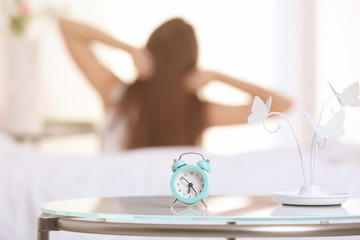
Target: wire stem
(315, 144)
(292, 129)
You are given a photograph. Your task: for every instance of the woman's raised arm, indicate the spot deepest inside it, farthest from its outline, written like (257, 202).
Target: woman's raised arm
(218, 114)
(79, 37)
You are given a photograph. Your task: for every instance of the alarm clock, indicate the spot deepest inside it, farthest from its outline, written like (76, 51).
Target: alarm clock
(189, 183)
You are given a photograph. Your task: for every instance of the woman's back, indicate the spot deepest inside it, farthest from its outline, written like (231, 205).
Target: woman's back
(160, 110)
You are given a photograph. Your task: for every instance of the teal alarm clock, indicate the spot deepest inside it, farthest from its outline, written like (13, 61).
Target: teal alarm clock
(189, 183)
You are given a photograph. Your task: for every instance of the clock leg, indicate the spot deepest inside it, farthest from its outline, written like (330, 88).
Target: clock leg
(173, 203)
(204, 203)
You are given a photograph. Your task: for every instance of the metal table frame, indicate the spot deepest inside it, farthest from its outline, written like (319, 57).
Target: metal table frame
(48, 222)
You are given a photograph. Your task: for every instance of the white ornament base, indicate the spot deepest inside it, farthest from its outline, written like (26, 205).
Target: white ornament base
(309, 195)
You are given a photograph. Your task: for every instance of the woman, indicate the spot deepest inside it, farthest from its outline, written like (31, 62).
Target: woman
(161, 107)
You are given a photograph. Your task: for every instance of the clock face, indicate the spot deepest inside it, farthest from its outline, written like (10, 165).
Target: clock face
(189, 184)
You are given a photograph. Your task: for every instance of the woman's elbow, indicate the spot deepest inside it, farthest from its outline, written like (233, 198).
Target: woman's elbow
(282, 104)
(287, 104)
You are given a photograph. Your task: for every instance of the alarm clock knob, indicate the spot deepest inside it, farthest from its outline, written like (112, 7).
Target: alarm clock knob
(177, 164)
(204, 165)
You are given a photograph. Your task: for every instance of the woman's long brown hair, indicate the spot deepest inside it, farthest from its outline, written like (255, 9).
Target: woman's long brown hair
(160, 111)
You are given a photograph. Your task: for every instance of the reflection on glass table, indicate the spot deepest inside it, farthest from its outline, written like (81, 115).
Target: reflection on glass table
(225, 216)
(220, 208)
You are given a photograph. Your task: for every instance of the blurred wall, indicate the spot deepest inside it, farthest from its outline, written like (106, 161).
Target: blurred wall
(338, 56)
(236, 37)
(2, 74)
(293, 46)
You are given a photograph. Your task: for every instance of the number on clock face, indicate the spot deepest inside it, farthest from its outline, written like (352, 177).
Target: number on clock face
(189, 183)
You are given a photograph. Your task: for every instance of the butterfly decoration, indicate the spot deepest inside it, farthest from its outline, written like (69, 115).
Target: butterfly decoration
(259, 110)
(350, 95)
(332, 129)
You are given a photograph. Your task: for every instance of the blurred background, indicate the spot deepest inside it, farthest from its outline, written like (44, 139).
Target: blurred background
(293, 46)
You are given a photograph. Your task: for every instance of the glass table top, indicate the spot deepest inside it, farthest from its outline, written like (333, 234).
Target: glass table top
(220, 208)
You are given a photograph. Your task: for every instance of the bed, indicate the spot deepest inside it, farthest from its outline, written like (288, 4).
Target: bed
(29, 178)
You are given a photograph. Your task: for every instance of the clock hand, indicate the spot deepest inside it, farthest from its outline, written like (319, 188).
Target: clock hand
(185, 179)
(191, 185)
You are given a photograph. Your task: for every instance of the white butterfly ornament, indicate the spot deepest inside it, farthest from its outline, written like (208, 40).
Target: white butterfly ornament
(332, 129)
(259, 110)
(350, 95)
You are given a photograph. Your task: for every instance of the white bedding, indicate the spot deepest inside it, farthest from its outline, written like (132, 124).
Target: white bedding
(28, 178)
